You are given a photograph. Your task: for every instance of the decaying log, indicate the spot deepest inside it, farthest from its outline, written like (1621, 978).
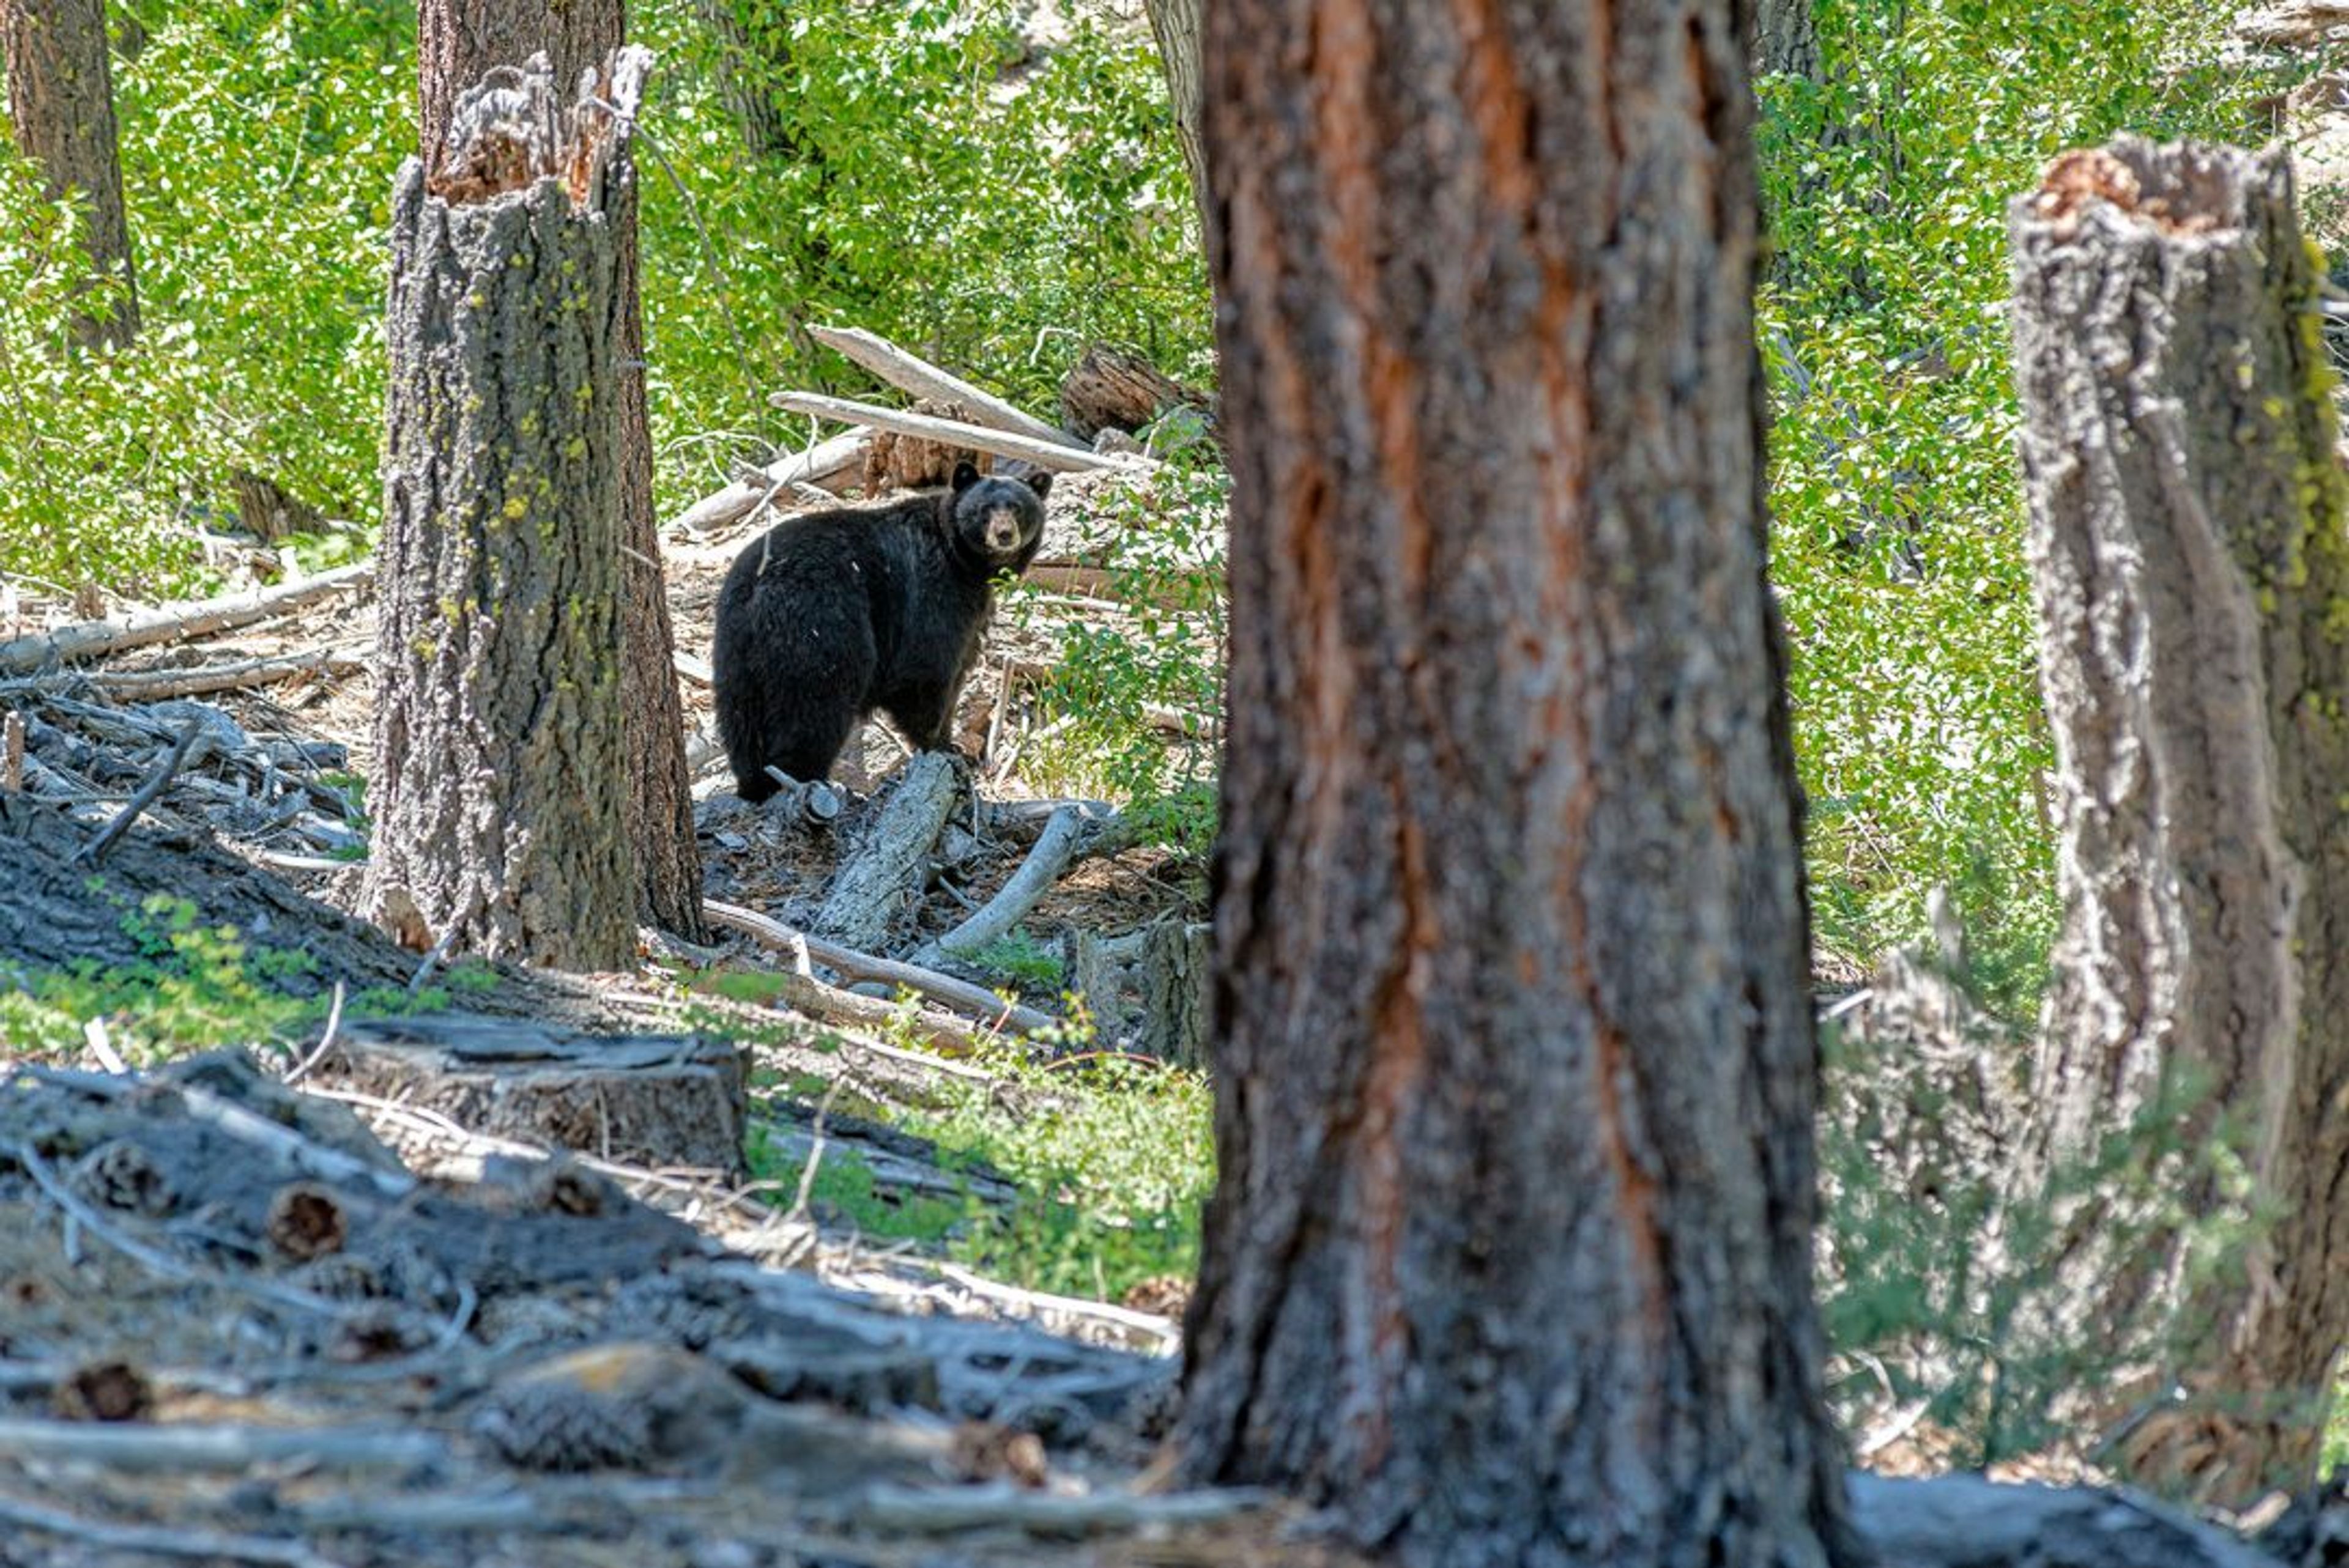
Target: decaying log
(147, 685)
(887, 865)
(1113, 388)
(827, 463)
(897, 461)
(664, 1102)
(922, 379)
(170, 622)
(1002, 443)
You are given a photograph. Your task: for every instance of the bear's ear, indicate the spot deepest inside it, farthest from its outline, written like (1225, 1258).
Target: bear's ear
(966, 475)
(1040, 481)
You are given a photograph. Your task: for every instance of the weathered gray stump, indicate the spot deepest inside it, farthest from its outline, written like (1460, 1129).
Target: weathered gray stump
(501, 779)
(656, 1100)
(2192, 577)
(887, 864)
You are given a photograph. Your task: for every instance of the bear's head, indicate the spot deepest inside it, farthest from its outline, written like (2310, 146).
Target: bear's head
(998, 522)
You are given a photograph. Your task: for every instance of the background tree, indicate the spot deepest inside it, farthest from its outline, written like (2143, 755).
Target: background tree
(1508, 1260)
(1785, 39)
(1175, 25)
(498, 792)
(61, 104)
(456, 45)
(2189, 545)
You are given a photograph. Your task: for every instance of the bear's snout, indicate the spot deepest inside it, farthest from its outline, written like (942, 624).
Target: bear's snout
(1003, 530)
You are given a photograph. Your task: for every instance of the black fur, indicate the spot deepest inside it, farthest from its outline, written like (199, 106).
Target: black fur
(834, 613)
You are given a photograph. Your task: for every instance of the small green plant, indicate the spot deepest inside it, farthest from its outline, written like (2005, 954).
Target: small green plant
(1022, 957)
(1133, 703)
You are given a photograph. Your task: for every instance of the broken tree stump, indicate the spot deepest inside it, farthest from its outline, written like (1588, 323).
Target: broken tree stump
(2189, 538)
(1113, 388)
(657, 1100)
(502, 782)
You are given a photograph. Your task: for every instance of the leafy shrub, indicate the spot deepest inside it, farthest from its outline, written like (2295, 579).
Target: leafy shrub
(1896, 536)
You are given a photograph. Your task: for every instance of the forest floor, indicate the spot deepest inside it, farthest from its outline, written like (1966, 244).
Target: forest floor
(345, 1323)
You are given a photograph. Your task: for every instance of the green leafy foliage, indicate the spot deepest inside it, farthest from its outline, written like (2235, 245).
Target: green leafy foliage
(1121, 677)
(1898, 519)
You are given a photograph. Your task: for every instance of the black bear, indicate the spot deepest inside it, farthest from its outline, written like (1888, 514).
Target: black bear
(834, 613)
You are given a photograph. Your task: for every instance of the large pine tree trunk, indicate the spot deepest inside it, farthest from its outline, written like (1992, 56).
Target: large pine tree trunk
(1508, 1261)
(497, 798)
(61, 104)
(457, 44)
(2186, 538)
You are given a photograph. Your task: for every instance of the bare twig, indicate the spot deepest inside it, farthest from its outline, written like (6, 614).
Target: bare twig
(151, 684)
(12, 751)
(95, 851)
(1055, 846)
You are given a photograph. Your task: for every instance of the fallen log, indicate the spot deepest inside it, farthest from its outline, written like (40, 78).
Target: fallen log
(973, 1001)
(1116, 389)
(824, 463)
(1002, 443)
(171, 623)
(886, 870)
(1971, 1521)
(922, 379)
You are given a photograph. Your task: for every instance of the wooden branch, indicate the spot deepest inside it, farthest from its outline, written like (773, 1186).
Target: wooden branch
(12, 751)
(922, 379)
(1055, 846)
(997, 1505)
(954, 432)
(887, 869)
(1965, 1521)
(824, 460)
(95, 851)
(151, 684)
(163, 1540)
(182, 1447)
(830, 1005)
(972, 1001)
(167, 623)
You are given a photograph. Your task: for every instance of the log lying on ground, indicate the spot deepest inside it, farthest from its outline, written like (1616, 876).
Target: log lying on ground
(1969, 1522)
(972, 1001)
(1052, 454)
(171, 623)
(883, 875)
(826, 463)
(922, 379)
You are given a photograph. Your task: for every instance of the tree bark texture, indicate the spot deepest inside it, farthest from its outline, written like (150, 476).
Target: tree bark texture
(458, 43)
(1175, 24)
(498, 795)
(742, 80)
(61, 103)
(1785, 39)
(2186, 518)
(1509, 1258)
